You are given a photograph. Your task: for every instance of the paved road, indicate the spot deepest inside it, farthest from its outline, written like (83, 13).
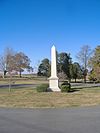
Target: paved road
(83, 85)
(75, 85)
(72, 120)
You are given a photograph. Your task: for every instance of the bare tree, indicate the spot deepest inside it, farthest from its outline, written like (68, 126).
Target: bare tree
(83, 57)
(6, 61)
(10, 61)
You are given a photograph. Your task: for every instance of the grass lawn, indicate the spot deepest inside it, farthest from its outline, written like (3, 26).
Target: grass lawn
(30, 98)
(23, 81)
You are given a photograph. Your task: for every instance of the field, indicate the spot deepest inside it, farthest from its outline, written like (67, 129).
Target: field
(23, 81)
(28, 97)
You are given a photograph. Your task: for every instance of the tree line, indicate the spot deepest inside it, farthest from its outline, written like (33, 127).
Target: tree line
(88, 64)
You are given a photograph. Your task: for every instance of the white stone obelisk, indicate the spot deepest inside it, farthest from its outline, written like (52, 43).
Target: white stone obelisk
(53, 80)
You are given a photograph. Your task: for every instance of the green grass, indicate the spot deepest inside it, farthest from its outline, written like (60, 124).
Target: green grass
(30, 98)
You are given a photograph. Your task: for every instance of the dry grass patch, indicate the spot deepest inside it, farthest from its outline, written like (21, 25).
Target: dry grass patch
(29, 98)
(22, 81)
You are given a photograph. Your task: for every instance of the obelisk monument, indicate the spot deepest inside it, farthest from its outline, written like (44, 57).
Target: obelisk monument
(53, 80)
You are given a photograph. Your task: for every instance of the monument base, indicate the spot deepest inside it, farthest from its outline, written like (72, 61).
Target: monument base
(53, 84)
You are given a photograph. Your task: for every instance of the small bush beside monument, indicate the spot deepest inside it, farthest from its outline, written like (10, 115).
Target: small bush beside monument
(65, 87)
(42, 88)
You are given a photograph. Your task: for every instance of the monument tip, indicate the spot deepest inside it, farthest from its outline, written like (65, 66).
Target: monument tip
(53, 46)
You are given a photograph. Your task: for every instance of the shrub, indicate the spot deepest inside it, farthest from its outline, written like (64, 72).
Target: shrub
(42, 88)
(65, 87)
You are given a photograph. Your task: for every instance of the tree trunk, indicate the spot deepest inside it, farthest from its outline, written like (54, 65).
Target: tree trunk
(69, 80)
(20, 74)
(4, 73)
(85, 74)
(75, 80)
(84, 78)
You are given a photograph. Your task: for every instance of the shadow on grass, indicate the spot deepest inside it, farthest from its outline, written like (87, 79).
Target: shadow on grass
(73, 90)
